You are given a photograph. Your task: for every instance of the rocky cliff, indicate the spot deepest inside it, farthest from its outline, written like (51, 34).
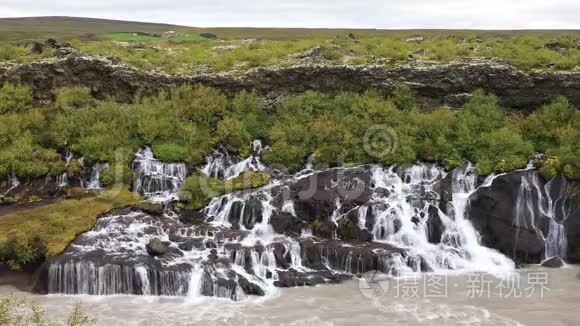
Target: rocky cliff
(528, 218)
(435, 84)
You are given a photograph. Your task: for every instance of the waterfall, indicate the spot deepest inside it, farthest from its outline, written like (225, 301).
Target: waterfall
(409, 214)
(13, 182)
(309, 162)
(155, 180)
(94, 182)
(220, 164)
(62, 180)
(237, 251)
(534, 204)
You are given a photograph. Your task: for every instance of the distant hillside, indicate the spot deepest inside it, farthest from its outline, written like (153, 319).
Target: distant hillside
(19, 29)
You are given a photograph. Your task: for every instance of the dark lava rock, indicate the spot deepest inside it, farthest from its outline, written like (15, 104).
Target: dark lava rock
(191, 216)
(286, 223)
(432, 82)
(435, 227)
(36, 48)
(249, 288)
(492, 211)
(155, 209)
(554, 262)
(156, 248)
(349, 229)
(315, 197)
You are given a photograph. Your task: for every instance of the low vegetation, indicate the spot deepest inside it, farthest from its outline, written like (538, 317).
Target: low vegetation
(187, 51)
(30, 236)
(187, 123)
(199, 189)
(22, 311)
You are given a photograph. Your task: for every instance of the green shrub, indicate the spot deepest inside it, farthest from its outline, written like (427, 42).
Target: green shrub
(404, 98)
(171, 152)
(15, 98)
(20, 249)
(117, 174)
(74, 97)
(200, 104)
(198, 189)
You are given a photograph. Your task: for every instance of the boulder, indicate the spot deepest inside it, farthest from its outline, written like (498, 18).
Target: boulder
(156, 248)
(316, 197)
(286, 223)
(554, 262)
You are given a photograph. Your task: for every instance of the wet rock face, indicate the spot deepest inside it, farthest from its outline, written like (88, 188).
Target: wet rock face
(528, 218)
(156, 248)
(317, 197)
(434, 84)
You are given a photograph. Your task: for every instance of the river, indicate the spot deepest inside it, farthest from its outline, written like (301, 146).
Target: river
(467, 299)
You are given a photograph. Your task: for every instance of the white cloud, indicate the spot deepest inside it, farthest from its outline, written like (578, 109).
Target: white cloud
(487, 14)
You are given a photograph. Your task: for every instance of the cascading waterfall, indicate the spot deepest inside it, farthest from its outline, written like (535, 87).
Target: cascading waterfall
(221, 164)
(13, 182)
(62, 180)
(155, 180)
(238, 252)
(534, 203)
(404, 215)
(94, 182)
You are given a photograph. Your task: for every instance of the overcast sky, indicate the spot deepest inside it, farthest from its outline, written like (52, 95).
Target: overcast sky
(476, 14)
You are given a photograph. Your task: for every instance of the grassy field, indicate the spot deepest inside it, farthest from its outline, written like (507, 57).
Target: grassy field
(38, 28)
(21, 29)
(239, 49)
(146, 37)
(54, 226)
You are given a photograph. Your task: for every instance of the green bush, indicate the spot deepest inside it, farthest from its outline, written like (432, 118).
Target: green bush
(15, 98)
(116, 174)
(74, 97)
(171, 152)
(20, 249)
(198, 189)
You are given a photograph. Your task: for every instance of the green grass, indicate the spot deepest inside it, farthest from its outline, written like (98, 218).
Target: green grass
(144, 37)
(60, 223)
(199, 189)
(239, 49)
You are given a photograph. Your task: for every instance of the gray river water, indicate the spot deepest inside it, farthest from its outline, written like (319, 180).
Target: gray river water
(533, 296)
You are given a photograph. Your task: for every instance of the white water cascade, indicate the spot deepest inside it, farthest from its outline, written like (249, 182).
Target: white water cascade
(533, 206)
(237, 250)
(408, 217)
(155, 180)
(13, 182)
(220, 164)
(62, 180)
(94, 182)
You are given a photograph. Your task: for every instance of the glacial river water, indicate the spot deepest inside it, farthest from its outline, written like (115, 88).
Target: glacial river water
(533, 296)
